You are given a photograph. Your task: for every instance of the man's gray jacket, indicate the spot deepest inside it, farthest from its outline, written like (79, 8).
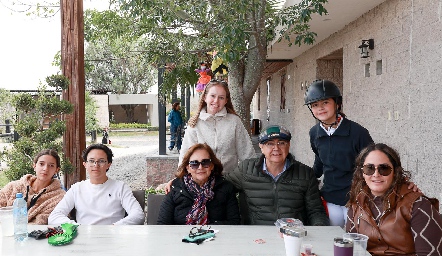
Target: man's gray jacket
(294, 195)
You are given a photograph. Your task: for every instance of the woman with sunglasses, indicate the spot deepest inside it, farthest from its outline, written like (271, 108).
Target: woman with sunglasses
(42, 191)
(200, 195)
(397, 220)
(217, 124)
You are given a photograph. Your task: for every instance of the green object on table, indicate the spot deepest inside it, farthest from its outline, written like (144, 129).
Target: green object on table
(198, 239)
(69, 233)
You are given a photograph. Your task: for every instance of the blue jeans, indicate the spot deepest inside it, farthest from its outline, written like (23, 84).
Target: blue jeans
(175, 136)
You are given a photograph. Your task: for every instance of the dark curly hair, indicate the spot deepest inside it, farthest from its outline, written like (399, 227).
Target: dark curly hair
(217, 165)
(400, 176)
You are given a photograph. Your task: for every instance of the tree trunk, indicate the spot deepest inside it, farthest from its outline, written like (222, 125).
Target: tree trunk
(245, 74)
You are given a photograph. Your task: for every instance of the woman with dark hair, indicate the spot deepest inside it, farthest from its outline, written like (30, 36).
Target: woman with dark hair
(42, 191)
(217, 124)
(397, 220)
(200, 195)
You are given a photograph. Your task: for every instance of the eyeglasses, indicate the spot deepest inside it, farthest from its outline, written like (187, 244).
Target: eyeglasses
(205, 163)
(280, 144)
(383, 169)
(100, 163)
(194, 232)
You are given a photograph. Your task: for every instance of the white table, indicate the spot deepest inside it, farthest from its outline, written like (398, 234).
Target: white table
(166, 240)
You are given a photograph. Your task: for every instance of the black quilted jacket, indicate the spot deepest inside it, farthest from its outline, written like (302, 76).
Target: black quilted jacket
(294, 195)
(223, 208)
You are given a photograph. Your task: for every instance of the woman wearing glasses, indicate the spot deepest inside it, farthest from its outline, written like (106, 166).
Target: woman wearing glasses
(200, 195)
(335, 141)
(397, 220)
(99, 200)
(42, 191)
(217, 124)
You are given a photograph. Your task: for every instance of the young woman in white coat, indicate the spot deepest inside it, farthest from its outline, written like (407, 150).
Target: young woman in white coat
(217, 124)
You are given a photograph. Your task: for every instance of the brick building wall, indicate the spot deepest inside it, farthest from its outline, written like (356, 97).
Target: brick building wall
(395, 93)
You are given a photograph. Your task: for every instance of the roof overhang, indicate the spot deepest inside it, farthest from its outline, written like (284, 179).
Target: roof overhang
(340, 14)
(272, 66)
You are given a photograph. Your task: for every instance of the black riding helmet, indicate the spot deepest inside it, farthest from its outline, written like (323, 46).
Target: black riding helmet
(321, 90)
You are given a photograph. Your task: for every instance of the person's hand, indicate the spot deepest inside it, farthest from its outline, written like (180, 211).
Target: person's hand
(168, 186)
(414, 187)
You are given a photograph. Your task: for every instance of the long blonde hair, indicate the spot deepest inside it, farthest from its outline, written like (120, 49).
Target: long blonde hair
(202, 103)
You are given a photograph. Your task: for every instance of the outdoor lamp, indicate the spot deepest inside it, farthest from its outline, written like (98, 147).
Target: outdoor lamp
(366, 44)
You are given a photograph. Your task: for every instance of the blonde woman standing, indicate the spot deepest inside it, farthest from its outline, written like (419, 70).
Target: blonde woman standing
(217, 124)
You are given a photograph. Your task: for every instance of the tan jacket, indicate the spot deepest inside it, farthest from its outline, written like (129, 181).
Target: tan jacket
(39, 213)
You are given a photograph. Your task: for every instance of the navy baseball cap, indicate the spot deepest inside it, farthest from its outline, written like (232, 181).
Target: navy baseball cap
(274, 132)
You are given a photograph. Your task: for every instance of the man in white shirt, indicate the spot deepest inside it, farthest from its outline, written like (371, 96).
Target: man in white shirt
(98, 200)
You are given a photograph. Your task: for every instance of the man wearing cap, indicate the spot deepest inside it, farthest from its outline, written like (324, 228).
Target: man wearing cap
(277, 186)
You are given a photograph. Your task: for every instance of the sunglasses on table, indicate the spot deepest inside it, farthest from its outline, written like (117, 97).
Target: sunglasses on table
(205, 163)
(195, 231)
(383, 169)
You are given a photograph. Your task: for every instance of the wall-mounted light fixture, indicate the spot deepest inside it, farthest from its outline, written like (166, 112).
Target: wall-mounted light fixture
(366, 44)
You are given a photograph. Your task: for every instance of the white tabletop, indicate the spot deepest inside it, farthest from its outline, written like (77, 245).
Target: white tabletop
(166, 240)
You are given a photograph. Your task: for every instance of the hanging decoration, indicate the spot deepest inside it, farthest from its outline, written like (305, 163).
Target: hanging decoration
(205, 76)
(218, 66)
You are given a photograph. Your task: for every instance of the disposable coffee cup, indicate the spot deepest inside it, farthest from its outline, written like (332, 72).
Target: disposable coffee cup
(293, 238)
(359, 243)
(7, 221)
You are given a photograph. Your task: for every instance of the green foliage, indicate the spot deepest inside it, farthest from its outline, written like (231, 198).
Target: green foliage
(133, 126)
(118, 66)
(40, 126)
(181, 33)
(91, 113)
(53, 106)
(59, 82)
(24, 101)
(152, 190)
(6, 112)
(3, 179)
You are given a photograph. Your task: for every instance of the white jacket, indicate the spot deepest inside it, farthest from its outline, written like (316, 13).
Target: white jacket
(225, 134)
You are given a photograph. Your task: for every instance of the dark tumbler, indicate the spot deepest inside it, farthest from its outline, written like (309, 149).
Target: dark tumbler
(343, 247)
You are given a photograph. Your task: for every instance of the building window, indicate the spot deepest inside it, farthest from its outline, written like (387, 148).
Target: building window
(282, 105)
(268, 99)
(259, 98)
(379, 67)
(367, 70)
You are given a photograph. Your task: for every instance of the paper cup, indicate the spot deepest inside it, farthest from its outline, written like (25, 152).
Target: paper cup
(292, 245)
